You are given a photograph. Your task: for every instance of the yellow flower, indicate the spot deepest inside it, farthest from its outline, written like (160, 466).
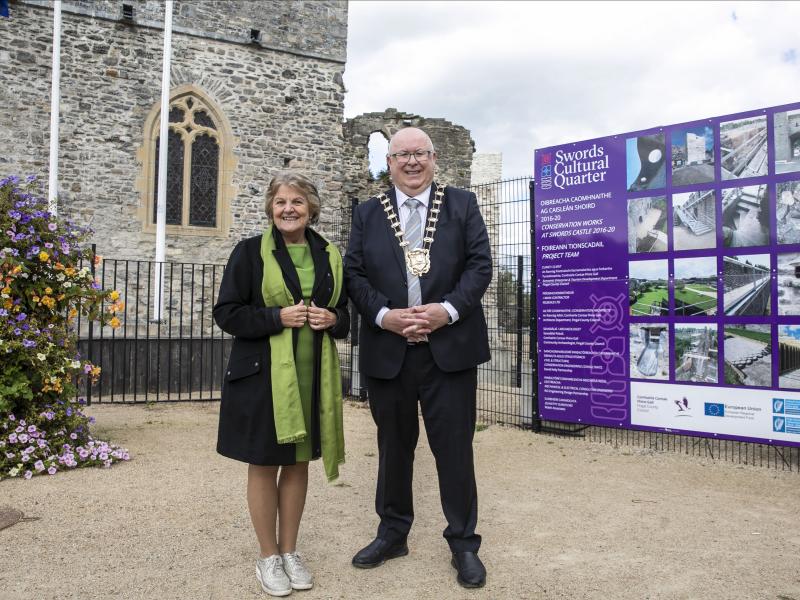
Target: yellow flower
(48, 290)
(114, 322)
(48, 302)
(44, 256)
(114, 295)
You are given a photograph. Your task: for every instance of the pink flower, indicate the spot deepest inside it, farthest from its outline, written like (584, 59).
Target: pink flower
(52, 470)
(28, 474)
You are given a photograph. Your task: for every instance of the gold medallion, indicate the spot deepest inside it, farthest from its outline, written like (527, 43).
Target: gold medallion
(418, 261)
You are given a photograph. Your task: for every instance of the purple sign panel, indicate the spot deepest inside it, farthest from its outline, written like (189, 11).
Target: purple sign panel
(668, 278)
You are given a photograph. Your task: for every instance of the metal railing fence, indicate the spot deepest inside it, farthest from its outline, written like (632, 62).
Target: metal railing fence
(182, 357)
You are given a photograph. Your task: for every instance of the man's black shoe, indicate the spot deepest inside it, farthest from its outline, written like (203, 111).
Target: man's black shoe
(378, 552)
(471, 572)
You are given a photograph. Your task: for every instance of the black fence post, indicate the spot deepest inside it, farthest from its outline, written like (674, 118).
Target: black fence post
(354, 322)
(536, 423)
(89, 344)
(520, 312)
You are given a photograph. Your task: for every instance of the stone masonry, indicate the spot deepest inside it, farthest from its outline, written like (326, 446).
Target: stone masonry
(453, 143)
(282, 96)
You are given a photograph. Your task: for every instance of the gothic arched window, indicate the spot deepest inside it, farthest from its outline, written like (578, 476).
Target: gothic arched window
(199, 166)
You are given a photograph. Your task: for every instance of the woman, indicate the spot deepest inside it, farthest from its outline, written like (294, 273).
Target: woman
(283, 300)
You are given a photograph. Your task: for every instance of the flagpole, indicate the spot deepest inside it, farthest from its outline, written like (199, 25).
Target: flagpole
(55, 102)
(161, 206)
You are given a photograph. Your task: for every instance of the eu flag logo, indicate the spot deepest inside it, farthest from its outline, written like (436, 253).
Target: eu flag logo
(714, 409)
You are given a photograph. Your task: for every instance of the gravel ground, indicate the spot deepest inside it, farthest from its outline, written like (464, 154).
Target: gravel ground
(559, 519)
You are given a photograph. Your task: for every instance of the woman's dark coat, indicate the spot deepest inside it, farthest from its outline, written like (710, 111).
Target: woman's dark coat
(246, 420)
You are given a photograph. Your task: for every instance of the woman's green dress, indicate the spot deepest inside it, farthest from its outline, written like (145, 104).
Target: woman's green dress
(304, 356)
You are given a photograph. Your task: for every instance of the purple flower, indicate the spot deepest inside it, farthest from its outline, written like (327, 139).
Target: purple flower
(31, 428)
(21, 317)
(42, 443)
(87, 368)
(52, 226)
(69, 411)
(34, 250)
(20, 428)
(52, 470)
(29, 343)
(28, 474)
(12, 418)
(38, 465)
(12, 438)
(23, 438)
(17, 331)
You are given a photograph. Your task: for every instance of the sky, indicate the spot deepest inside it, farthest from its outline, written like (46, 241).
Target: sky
(702, 266)
(525, 75)
(648, 269)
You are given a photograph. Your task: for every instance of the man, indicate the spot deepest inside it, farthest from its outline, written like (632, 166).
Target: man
(416, 268)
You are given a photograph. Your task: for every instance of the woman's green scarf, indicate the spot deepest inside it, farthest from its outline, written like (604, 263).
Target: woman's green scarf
(287, 407)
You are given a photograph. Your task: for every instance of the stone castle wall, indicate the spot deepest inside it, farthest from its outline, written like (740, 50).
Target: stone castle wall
(453, 143)
(283, 99)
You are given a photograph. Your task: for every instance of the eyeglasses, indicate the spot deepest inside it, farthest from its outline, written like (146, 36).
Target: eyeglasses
(403, 157)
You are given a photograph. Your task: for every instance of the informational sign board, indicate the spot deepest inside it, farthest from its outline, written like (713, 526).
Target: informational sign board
(668, 278)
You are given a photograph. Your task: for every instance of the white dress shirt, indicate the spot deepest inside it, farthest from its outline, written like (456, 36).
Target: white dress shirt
(403, 213)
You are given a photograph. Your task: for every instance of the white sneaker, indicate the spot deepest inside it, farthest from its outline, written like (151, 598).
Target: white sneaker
(296, 570)
(272, 577)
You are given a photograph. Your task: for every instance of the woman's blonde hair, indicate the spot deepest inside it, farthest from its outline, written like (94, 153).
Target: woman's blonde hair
(299, 182)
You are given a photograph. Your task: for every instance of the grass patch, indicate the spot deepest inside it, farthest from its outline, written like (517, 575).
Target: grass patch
(759, 336)
(699, 301)
(481, 426)
(642, 306)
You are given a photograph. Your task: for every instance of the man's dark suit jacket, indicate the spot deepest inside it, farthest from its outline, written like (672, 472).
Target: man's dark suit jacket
(461, 269)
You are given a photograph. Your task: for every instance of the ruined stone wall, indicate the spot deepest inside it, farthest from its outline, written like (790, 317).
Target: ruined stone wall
(453, 143)
(283, 99)
(486, 169)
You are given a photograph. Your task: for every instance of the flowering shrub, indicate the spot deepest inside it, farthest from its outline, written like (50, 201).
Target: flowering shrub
(43, 288)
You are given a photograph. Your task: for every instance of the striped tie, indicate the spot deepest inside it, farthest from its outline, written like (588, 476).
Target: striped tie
(413, 235)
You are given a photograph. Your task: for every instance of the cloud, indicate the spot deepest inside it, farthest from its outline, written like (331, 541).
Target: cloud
(704, 266)
(523, 75)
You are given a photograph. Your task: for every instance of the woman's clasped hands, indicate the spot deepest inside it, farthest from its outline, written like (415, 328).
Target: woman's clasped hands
(297, 315)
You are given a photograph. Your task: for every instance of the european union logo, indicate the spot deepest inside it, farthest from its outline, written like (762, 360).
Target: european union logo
(714, 409)
(777, 405)
(779, 424)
